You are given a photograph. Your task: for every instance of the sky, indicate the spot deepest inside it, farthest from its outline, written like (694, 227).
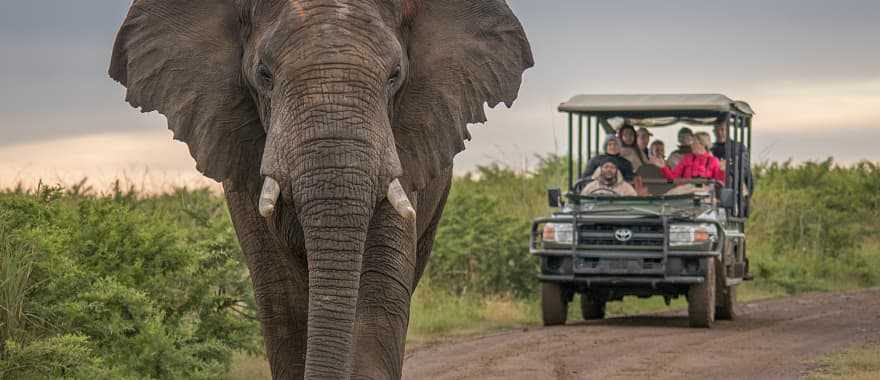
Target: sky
(809, 68)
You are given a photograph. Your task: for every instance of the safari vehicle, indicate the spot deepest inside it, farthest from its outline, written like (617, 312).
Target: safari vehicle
(605, 248)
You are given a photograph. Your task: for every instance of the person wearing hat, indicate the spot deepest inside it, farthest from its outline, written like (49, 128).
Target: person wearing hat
(612, 153)
(609, 182)
(685, 139)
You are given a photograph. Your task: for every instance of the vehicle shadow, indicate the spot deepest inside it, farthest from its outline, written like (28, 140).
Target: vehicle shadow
(638, 321)
(672, 321)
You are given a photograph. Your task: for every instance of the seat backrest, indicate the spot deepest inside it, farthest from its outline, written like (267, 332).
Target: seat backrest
(653, 179)
(581, 184)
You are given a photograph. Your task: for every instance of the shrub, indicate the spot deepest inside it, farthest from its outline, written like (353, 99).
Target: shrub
(482, 240)
(481, 249)
(124, 286)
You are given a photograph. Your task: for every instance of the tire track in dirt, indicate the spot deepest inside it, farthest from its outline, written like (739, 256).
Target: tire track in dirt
(776, 339)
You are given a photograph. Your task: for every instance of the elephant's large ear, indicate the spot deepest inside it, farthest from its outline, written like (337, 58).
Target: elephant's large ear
(463, 53)
(183, 59)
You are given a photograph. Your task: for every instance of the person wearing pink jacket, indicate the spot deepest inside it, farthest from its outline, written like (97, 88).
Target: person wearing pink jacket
(700, 163)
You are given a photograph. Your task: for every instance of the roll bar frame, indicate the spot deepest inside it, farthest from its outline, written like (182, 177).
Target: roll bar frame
(592, 126)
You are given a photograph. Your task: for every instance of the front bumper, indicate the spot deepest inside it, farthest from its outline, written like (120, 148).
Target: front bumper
(641, 265)
(622, 281)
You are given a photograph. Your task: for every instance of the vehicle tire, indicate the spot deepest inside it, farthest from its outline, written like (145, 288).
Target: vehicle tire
(554, 306)
(701, 299)
(725, 296)
(592, 306)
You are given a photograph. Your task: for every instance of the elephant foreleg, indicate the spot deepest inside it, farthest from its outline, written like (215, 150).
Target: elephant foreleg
(394, 260)
(280, 288)
(432, 204)
(384, 296)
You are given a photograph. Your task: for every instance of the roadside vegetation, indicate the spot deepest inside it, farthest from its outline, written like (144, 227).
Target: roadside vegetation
(120, 286)
(859, 363)
(131, 285)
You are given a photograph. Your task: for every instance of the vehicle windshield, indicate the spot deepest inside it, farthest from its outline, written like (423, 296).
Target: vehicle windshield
(648, 205)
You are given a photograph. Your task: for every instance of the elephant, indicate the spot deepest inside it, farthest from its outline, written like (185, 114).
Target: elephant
(332, 127)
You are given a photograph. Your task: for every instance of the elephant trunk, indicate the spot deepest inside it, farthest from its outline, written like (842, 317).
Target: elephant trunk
(335, 230)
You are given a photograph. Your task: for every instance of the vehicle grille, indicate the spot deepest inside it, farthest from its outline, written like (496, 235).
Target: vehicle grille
(644, 236)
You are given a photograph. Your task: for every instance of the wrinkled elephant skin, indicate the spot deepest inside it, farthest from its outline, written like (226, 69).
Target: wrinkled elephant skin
(332, 125)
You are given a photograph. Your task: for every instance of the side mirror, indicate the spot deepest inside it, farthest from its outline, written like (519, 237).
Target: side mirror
(727, 199)
(553, 196)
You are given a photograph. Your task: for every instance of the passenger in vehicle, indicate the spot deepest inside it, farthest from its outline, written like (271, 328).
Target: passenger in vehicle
(658, 150)
(685, 139)
(629, 146)
(700, 163)
(612, 153)
(643, 140)
(728, 151)
(608, 181)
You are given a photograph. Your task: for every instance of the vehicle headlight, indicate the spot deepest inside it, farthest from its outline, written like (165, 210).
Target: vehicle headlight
(692, 234)
(561, 233)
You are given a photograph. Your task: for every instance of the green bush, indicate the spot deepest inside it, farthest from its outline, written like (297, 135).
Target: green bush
(123, 286)
(814, 226)
(816, 207)
(482, 241)
(480, 249)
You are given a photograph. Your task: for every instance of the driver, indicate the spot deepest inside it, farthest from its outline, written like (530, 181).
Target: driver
(612, 154)
(608, 181)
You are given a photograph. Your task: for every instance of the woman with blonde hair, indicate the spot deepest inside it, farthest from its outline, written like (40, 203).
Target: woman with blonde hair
(699, 163)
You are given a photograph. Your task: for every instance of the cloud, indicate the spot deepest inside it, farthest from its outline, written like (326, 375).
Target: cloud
(818, 105)
(147, 160)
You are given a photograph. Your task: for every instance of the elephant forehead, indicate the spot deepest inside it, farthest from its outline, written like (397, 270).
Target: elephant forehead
(328, 20)
(339, 8)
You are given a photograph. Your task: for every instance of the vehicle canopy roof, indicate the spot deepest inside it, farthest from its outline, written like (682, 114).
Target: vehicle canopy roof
(656, 105)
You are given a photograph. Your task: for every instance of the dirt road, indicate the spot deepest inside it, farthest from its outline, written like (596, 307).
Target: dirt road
(772, 339)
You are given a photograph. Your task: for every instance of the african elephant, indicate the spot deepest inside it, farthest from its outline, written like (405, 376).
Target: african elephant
(332, 125)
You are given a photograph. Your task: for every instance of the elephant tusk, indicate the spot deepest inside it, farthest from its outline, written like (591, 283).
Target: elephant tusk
(397, 197)
(269, 197)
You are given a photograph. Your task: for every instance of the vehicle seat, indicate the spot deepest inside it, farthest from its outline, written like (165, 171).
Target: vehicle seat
(653, 179)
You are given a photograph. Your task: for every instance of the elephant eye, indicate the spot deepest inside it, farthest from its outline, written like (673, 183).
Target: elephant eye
(264, 76)
(395, 77)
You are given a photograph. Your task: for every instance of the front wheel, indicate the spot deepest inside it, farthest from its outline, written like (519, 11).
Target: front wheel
(592, 306)
(701, 299)
(725, 296)
(554, 306)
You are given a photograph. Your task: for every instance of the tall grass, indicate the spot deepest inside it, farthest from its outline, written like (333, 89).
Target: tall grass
(16, 265)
